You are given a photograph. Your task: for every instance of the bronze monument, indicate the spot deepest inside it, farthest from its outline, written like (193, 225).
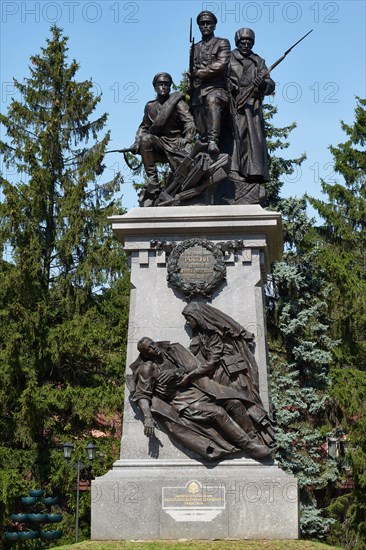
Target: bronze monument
(206, 398)
(215, 143)
(197, 441)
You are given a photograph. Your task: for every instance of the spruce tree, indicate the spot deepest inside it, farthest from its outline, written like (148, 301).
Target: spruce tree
(342, 255)
(64, 291)
(344, 236)
(299, 344)
(300, 349)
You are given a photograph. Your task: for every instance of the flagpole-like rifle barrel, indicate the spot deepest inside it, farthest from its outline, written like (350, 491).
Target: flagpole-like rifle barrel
(127, 150)
(191, 60)
(298, 42)
(286, 53)
(124, 151)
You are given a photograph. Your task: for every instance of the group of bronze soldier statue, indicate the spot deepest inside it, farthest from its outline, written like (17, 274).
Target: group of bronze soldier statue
(227, 163)
(206, 398)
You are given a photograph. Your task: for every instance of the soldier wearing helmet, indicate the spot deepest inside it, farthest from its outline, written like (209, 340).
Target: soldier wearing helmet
(164, 135)
(246, 72)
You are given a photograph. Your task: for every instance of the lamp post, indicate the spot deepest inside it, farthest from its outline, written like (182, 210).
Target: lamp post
(91, 452)
(333, 447)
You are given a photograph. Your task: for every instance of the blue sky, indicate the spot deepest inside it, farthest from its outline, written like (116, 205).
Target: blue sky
(122, 44)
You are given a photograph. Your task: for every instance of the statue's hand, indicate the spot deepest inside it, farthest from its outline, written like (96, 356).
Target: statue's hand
(187, 378)
(149, 428)
(260, 83)
(232, 87)
(185, 143)
(166, 376)
(135, 147)
(200, 74)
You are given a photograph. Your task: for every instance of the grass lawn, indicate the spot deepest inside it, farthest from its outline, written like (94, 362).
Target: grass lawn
(201, 545)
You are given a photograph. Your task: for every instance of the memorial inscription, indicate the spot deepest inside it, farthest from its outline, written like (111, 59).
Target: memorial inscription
(194, 501)
(196, 267)
(196, 264)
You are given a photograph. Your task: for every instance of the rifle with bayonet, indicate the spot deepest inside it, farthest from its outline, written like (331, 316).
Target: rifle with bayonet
(124, 151)
(242, 98)
(191, 61)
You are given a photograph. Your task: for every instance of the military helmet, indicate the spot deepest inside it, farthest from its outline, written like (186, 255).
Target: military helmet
(159, 76)
(244, 33)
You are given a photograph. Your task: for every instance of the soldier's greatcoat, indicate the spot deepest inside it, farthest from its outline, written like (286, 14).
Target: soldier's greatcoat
(249, 118)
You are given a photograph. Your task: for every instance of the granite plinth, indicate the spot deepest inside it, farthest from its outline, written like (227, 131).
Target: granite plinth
(168, 500)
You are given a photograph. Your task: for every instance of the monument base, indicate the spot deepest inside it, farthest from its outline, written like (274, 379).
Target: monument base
(175, 499)
(160, 490)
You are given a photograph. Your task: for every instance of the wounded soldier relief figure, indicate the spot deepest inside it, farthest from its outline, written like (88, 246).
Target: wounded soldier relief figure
(189, 399)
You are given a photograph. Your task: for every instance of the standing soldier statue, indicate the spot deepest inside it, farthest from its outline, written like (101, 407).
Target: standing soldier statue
(249, 82)
(209, 97)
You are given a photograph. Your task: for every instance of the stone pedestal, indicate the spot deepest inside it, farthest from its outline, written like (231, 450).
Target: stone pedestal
(174, 499)
(158, 490)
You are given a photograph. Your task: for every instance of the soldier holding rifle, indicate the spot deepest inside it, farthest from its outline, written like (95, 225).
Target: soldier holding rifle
(168, 127)
(249, 82)
(247, 71)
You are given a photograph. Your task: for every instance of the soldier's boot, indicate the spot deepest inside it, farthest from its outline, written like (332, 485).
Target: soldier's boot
(253, 446)
(213, 128)
(151, 189)
(256, 450)
(150, 192)
(238, 436)
(236, 409)
(148, 160)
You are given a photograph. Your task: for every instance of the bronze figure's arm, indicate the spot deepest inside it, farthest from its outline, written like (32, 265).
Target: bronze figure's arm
(149, 426)
(220, 65)
(189, 128)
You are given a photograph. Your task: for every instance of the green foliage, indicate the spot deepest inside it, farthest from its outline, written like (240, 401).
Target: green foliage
(349, 509)
(342, 240)
(343, 235)
(300, 355)
(65, 285)
(300, 345)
